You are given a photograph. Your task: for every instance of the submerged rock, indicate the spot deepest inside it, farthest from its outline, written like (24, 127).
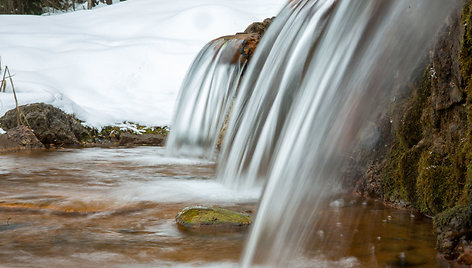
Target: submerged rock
(19, 139)
(212, 219)
(51, 125)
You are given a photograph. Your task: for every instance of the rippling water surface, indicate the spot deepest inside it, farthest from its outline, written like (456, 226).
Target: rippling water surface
(116, 207)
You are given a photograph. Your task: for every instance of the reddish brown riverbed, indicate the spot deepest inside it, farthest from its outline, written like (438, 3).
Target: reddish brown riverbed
(116, 208)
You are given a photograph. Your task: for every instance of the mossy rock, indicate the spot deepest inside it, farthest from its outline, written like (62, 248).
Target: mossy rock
(212, 219)
(437, 187)
(454, 229)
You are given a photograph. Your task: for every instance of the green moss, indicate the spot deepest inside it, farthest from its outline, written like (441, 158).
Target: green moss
(462, 213)
(164, 131)
(212, 216)
(407, 173)
(467, 192)
(437, 185)
(112, 133)
(401, 167)
(411, 126)
(415, 171)
(392, 189)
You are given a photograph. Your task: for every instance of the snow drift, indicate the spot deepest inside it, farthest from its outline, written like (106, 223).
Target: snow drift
(123, 62)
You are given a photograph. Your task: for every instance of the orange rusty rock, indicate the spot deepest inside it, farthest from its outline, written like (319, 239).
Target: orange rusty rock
(246, 42)
(244, 49)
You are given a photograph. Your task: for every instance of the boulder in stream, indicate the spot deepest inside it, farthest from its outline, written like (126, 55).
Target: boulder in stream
(51, 125)
(212, 219)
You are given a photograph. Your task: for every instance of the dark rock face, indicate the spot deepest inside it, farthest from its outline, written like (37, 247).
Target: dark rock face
(204, 219)
(427, 164)
(445, 68)
(19, 139)
(454, 228)
(51, 125)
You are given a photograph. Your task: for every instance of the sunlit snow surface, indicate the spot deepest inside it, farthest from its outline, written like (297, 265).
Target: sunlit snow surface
(123, 62)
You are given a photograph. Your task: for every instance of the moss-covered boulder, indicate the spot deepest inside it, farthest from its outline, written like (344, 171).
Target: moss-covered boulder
(51, 125)
(212, 219)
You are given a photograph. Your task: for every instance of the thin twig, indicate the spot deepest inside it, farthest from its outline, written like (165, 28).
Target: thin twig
(4, 82)
(19, 114)
(18, 120)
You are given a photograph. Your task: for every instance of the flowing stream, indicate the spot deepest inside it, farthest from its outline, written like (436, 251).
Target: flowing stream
(116, 208)
(324, 71)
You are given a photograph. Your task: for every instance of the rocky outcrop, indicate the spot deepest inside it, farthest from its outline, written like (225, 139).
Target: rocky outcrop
(259, 27)
(204, 219)
(249, 39)
(427, 159)
(19, 139)
(53, 127)
(454, 229)
(50, 125)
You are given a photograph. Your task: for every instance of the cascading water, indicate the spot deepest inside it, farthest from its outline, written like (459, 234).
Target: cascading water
(205, 98)
(323, 70)
(267, 93)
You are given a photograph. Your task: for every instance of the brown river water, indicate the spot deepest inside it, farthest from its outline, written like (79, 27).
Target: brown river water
(115, 208)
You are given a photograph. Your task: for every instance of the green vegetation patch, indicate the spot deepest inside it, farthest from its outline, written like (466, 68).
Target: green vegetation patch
(113, 133)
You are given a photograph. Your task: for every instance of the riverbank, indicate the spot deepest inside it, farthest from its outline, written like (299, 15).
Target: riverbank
(38, 126)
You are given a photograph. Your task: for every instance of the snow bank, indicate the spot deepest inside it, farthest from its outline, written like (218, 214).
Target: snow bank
(123, 62)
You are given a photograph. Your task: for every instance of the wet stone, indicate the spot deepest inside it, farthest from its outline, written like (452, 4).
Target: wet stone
(206, 219)
(19, 139)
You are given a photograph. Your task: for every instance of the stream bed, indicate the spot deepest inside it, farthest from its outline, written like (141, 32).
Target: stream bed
(101, 207)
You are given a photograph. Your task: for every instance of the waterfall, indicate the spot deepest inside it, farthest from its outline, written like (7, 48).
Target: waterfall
(267, 93)
(205, 99)
(323, 71)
